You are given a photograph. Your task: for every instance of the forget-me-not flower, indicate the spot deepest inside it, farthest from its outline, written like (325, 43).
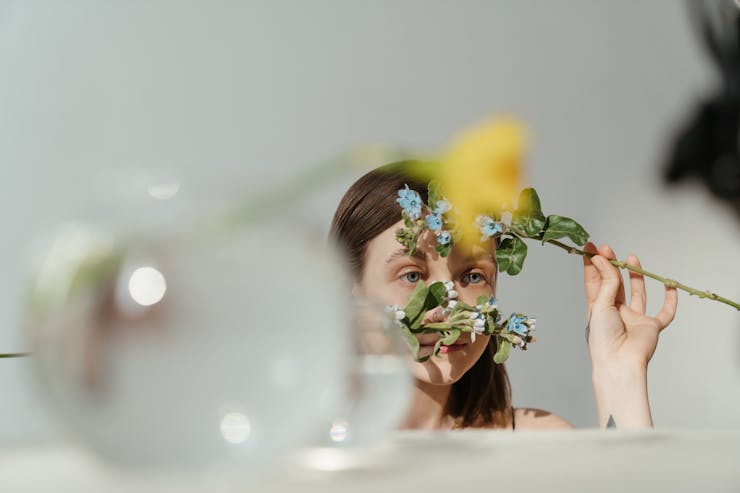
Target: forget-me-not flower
(410, 201)
(434, 222)
(442, 206)
(518, 324)
(487, 226)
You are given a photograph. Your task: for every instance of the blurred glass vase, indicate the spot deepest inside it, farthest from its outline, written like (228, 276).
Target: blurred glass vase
(180, 352)
(379, 381)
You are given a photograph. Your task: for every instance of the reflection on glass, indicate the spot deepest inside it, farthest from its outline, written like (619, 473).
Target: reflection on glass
(338, 431)
(147, 286)
(163, 191)
(235, 427)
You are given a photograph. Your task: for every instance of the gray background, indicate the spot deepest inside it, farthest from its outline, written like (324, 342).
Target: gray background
(97, 99)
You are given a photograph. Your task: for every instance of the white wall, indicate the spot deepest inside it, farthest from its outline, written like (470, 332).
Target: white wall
(228, 96)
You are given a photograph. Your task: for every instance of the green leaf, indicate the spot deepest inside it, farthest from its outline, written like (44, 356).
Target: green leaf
(502, 353)
(437, 346)
(491, 323)
(481, 299)
(528, 217)
(407, 220)
(443, 250)
(451, 337)
(411, 341)
(463, 306)
(435, 193)
(417, 301)
(435, 326)
(560, 226)
(510, 255)
(405, 238)
(437, 293)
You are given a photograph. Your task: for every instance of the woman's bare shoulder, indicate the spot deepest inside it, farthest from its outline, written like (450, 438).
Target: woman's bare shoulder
(528, 418)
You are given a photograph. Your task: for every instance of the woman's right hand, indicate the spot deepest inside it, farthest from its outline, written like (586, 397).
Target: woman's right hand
(620, 332)
(621, 339)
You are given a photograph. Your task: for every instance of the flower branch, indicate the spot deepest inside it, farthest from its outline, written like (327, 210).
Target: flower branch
(671, 283)
(527, 222)
(482, 319)
(529, 213)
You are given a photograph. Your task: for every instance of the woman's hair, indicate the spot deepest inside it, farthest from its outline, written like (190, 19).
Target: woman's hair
(482, 396)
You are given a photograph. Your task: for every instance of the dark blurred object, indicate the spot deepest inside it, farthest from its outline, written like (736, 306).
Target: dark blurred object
(708, 146)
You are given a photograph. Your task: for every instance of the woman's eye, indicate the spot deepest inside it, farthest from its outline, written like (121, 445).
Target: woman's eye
(412, 277)
(473, 278)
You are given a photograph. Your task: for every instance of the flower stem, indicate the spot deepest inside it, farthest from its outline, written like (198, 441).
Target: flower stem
(14, 355)
(672, 283)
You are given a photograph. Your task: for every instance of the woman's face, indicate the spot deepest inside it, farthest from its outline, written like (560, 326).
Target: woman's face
(390, 276)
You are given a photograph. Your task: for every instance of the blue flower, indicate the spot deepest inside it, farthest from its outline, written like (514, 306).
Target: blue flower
(434, 222)
(444, 238)
(517, 324)
(410, 201)
(442, 206)
(487, 226)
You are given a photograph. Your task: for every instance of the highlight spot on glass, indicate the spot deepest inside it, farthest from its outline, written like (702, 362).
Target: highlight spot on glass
(338, 431)
(147, 286)
(235, 427)
(164, 191)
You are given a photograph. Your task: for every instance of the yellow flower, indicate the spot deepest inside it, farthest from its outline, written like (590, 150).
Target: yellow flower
(481, 171)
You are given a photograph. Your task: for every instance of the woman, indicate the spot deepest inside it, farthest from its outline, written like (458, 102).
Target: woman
(463, 387)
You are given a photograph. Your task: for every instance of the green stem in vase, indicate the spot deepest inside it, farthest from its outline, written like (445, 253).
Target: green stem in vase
(14, 355)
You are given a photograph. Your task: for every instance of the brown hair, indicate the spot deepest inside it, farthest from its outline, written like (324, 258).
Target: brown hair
(482, 396)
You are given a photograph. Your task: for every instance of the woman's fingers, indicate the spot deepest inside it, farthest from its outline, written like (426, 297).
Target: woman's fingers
(666, 314)
(611, 281)
(638, 296)
(591, 276)
(607, 252)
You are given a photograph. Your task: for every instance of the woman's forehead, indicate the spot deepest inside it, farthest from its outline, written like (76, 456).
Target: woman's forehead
(455, 255)
(389, 249)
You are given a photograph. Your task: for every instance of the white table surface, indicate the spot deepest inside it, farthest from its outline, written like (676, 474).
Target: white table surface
(583, 460)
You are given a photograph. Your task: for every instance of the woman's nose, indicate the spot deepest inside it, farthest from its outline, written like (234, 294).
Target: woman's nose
(434, 316)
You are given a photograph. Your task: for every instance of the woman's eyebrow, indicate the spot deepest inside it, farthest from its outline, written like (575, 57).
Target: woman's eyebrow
(403, 252)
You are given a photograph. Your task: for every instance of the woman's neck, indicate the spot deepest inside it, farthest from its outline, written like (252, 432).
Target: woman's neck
(427, 408)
